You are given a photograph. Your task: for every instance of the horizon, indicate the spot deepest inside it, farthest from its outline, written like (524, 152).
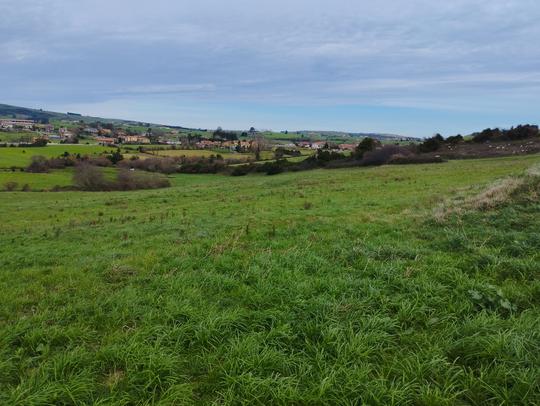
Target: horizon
(410, 69)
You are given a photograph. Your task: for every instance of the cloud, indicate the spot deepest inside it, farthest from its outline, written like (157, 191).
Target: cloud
(166, 89)
(301, 52)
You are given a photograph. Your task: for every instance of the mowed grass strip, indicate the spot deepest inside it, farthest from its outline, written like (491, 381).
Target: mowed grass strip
(321, 287)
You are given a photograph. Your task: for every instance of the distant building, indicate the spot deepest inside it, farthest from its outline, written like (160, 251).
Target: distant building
(104, 131)
(347, 147)
(49, 128)
(90, 130)
(318, 144)
(133, 139)
(106, 140)
(16, 123)
(65, 133)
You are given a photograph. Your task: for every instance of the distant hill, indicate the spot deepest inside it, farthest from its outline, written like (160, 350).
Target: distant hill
(344, 134)
(7, 111)
(44, 116)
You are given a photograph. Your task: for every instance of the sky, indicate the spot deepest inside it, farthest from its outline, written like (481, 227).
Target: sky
(412, 67)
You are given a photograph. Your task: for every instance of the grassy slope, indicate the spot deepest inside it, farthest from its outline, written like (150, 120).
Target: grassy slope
(313, 287)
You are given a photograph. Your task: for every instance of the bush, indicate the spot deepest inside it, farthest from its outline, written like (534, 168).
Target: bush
(366, 145)
(325, 155)
(130, 180)
(163, 165)
(515, 133)
(38, 164)
(414, 159)
(89, 177)
(10, 186)
(274, 169)
(98, 161)
(456, 139)
(40, 142)
(241, 170)
(115, 157)
(431, 144)
(26, 187)
(383, 155)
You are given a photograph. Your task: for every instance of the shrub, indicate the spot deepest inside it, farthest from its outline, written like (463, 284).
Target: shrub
(130, 180)
(431, 144)
(10, 186)
(98, 161)
(366, 145)
(26, 187)
(383, 155)
(272, 168)
(325, 155)
(240, 170)
(40, 142)
(38, 164)
(515, 133)
(89, 177)
(455, 139)
(115, 157)
(400, 159)
(163, 165)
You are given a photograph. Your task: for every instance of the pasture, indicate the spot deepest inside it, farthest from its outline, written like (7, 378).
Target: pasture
(21, 157)
(320, 287)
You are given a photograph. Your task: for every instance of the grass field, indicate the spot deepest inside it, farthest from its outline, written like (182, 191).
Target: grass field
(320, 287)
(203, 153)
(16, 136)
(37, 181)
(20, 157)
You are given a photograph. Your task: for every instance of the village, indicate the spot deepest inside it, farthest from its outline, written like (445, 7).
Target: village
(66, 132)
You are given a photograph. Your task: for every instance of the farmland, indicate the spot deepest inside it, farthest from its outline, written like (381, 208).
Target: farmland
(18, 156)
(327, 287)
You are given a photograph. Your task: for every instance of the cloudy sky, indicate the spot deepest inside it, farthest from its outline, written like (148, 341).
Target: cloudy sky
(410, 67)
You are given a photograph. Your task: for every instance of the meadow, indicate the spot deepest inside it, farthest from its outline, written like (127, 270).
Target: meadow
(319, 287)
(21, 157)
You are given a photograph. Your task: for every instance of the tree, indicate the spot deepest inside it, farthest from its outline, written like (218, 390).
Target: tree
(40, 142)
(430, 144)
(39, 164)
(366, 145)
(455, 139)
(116, 157)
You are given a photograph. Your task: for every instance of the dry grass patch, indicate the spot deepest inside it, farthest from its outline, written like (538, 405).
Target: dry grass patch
(497, 194)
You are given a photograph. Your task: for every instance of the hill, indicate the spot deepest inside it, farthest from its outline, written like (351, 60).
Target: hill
(343, 134)
(7, 111)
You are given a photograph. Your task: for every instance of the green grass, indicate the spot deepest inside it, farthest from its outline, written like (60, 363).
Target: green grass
(37, 181)
(21, 157)
(202, 153)
(320, 287)
(17, 136)
(44, 181)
